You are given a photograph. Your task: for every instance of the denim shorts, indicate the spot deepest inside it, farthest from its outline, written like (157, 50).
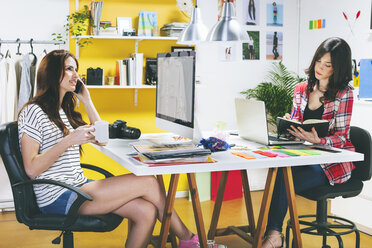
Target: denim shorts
(63, 203)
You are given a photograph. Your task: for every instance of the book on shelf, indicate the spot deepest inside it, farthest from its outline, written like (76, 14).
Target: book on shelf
(172, 153)
(121, 72)
(321, 126)
(138, 61)
(130, 71)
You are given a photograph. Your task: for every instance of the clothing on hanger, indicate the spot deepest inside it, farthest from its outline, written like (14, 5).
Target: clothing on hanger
(3, 84)
(25, 89)
(11, 91)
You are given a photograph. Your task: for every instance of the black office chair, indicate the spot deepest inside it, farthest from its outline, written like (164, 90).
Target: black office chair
(324, 225)
(26, 209)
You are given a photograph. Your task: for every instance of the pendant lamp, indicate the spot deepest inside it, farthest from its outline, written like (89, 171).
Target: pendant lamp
(196, 31)
(227, 28)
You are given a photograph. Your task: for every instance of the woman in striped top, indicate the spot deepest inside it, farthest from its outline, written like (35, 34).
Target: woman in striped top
(50, 133)
(325, 95)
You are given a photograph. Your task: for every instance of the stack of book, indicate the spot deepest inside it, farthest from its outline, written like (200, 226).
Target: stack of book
(129, 70)
(172, 154)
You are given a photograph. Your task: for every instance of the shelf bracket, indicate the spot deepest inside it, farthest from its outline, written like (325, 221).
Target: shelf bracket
(135, 97)
(76, 50)
(136, 44)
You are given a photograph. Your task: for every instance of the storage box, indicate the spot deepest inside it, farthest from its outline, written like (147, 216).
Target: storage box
(203, 182)
(233, 187)
(172, 32)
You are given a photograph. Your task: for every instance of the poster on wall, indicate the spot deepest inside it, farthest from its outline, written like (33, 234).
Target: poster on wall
(274, 12)
(228, 53)
(274, 45)
(251, 49)
(371, 16)
(220, 4)
(251, 12)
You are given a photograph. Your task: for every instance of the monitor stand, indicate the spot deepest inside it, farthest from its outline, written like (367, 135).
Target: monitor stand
(197, 134)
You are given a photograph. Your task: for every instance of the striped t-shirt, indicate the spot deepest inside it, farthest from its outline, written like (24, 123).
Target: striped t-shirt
(34, 122)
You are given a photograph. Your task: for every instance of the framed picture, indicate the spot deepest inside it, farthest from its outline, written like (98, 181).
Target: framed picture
(227, 52)
(182, 48)
(251, 49)
(124, 24)
(274, 45)
(251, 12)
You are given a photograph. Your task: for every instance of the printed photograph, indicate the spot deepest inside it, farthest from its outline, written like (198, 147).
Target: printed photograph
(274, 13)
(228, 53)
(274, 45)
(251, 12)
(251, 49)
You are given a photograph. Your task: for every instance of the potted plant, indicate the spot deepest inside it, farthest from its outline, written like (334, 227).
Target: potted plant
(78, 24)
(276, 91)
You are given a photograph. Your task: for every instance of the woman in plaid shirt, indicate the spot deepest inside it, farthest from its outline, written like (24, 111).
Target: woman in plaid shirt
(325, 95)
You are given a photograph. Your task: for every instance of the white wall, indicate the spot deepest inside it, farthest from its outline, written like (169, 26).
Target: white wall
(222, 81)
(25, 19)
(336, 25)
(360, 42)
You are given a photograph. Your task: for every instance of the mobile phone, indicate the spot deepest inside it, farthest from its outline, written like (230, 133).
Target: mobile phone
(78, 86)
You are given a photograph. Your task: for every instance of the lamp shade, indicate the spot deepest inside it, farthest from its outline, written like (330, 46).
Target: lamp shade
(227, 28)
(196, 31)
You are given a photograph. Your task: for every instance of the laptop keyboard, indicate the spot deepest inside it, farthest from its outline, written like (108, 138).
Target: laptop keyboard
(275, 138)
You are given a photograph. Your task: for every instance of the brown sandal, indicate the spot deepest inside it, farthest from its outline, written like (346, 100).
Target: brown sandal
(271, 242)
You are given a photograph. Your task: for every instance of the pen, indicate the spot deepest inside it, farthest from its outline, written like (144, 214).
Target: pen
(293, 112)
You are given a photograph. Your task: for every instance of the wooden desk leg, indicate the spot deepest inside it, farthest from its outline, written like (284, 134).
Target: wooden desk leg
(248, 201)
(265, 207)
(197, 210)
(169, 204)
(288, 181)
(217, 205)
(173, 239)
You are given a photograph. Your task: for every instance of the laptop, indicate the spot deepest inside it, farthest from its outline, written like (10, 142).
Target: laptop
(252, 123)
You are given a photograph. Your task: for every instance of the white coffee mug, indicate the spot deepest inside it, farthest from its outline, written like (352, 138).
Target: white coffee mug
(101, 132)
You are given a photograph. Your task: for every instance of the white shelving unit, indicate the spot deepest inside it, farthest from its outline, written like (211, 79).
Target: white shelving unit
(135, 88)
(137, 39)
(120, 87)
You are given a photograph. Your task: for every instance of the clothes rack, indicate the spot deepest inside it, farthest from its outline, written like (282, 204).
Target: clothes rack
(33, 41)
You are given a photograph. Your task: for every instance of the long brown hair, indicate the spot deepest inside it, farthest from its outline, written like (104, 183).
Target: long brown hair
(342, 66)
(49, 76)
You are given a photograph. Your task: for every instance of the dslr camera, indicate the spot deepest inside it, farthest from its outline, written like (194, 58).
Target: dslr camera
(119, 129)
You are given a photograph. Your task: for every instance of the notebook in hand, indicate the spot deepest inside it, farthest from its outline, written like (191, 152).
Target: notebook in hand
(321, 126)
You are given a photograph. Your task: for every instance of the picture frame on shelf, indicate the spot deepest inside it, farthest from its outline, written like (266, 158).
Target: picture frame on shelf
(124, 24)
(182, 48)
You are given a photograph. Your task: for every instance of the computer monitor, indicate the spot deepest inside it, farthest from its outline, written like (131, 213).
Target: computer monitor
(175, 92)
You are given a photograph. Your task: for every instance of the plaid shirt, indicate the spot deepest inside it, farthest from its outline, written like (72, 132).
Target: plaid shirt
(338, 113)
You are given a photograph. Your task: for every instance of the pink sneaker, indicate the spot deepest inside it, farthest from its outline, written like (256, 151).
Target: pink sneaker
(194, 242)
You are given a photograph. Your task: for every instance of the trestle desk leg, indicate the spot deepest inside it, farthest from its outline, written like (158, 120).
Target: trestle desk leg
(265, 206)
(169, 204)
(199, 222)
(217, 205)
(288, 181)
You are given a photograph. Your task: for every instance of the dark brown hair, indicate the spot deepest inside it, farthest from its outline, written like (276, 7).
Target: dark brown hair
(342, 67)
(49, 76)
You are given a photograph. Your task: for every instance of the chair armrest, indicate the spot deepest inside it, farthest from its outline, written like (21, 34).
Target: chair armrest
(72, 214)
(62, 184)
(97, 169)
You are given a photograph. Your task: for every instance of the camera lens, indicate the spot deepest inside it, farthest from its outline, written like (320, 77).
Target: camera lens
(130, 132)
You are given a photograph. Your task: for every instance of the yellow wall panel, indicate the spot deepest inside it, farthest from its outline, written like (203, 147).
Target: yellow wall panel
(114, 104)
